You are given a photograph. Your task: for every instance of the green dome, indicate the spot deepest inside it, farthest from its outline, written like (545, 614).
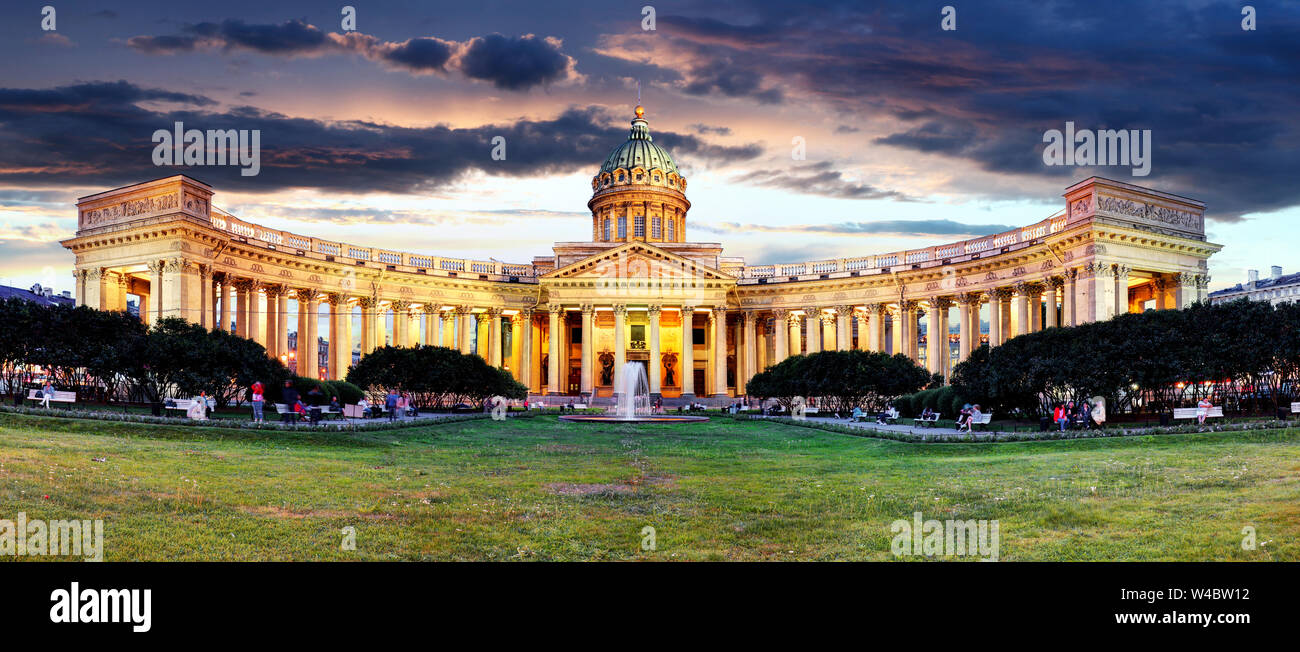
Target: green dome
(639, 151)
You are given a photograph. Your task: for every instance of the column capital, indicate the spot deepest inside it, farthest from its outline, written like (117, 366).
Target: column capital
(1121, 271)
(907, 304)
(1069, 274)
(828, 319)
(939, 303)
(155, 266)
(620, 309)
(367, 303)
(176, 264)
(750, 317)
(1202, 281)
(464, 310)
(1001, 294)
(878, 309)
(780, 313)
(244, 284)
(493, 313)
(274, 291)
(654, 310)
(969, 299)
(400, 305)
(123, 281)
(1055, 282)
(335, 298)
(812, 311)
(1028, 289)
(527, 313)
(429, 309)
(845, 310)
(305, 294)
(587, 309)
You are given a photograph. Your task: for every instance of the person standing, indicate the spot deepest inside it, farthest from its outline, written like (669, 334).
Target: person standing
(390, 404)
(290, 397)
(258, 399)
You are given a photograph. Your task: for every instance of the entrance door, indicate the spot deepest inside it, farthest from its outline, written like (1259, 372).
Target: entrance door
(700, 389)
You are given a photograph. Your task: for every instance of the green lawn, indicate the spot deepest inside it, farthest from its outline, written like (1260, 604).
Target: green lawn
(543, 489)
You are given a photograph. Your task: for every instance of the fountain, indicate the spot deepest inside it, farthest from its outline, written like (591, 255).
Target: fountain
(633, 402)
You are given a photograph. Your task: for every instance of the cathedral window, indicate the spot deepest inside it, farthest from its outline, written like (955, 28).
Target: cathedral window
(622, 227)
(638, 226)
(656, 228)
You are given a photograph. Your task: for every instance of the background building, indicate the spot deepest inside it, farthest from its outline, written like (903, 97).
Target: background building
(1274, 289)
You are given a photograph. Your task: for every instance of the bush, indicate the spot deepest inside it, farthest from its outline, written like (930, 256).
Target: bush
(348, 393)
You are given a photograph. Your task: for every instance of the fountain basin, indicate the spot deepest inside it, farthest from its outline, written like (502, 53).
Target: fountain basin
(640, 418)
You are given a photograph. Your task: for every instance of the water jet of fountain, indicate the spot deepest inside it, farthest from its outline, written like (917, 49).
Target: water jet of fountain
(634, 400)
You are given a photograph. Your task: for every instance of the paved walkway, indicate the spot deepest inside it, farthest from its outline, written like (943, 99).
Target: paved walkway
(900, 427)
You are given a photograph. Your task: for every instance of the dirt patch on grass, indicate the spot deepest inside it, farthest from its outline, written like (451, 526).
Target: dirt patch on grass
(665, 481)
(564, 448)
(571, 489)
(280, 512)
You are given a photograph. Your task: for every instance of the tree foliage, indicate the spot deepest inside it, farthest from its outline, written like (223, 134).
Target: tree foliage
(435, 376)
(842, 380)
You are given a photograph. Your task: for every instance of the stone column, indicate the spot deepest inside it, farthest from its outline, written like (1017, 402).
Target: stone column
(155, 290)
(1187, 290)
(97, 288)
(781, 323)
(936, 352)
(554, 337)
(687, 368)
(493, 356)
(1121, 288)
(620, 345)
(749, 336)
(876, 314)
(812, 320)
(309, 348)
(298, 356)
(206, 296)
(401, 323)
(273, 320)
(966, 304)
(588, 350)
(997, 324)
(795, 326)
(255, 314)
(367, 305)
(656, 365)
(910, 316)
(1053, 285)
(524, 344)
(333, 299)
(243, 287)
(449, 329)
(863, 320)
(1067, 297)
(225, 302)
(431, 322)
(1035, 307)
(466, 326)
(719, 351)
(1020, 310)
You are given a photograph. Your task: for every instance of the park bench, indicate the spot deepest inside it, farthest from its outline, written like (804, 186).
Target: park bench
(55, 397)
(184, 404)
(1295, 408)
(982, 419)
(353, 412)
(926, 421)
(1190, 413)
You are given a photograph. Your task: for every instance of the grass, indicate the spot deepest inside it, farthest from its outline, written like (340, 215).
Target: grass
(724, 490)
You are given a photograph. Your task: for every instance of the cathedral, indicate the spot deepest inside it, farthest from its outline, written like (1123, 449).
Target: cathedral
(701, 322)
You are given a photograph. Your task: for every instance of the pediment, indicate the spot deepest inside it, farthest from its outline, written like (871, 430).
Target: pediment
(637, 260)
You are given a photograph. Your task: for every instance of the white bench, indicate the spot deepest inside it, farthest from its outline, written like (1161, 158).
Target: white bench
(981, 419)
(283, 408)
(55, 397)
(1190, 413)
(1295, 408)
(926, 421)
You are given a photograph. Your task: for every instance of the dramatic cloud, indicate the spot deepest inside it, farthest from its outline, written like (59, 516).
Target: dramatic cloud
(985, 93)
(703, 129)
(44, 141)
(511, 63)
(816, 179)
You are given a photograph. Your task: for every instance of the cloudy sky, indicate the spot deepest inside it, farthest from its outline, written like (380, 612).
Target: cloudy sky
(914, 135)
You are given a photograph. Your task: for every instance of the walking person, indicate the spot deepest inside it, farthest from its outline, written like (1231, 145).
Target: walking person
(258, 401)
